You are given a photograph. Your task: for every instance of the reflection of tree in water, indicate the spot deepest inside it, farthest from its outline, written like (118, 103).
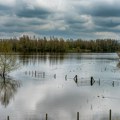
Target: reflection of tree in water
(8, 63)
(34, 58)
(8, 88)
(118, 65)
(56, 57)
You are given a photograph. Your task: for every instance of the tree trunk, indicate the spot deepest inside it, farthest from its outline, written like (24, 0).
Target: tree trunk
(4, 80)
(3, 74)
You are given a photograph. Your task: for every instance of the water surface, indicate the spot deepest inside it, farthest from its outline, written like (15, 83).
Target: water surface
(47, 86)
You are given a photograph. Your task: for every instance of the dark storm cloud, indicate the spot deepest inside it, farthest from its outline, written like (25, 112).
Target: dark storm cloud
(23, 23)
(12, 29)
(5, 10)
(36, 22)
(71, 18)
(33, 13)
(101, 9)
(106, 11)
(15, 23)
(74, 21)
(107, 22)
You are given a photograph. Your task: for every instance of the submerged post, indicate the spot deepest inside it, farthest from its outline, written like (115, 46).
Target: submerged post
(65, 77)
(92, 81)
(76, 79)
(77, 115)
(35, 73)
(46, 116)
(99, 82)
(54, 76)
(8, 118)
(110, 114)
(43, 74)
(113, 84)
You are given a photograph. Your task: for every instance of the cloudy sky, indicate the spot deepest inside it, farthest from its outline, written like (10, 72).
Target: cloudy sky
(86, 19)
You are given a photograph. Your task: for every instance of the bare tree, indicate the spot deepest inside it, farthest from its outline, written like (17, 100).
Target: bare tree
(8, 61)
(7, 64)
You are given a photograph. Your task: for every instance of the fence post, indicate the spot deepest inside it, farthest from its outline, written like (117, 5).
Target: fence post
(110, 114)
(77, 115)
(43, 74)
(46, 116)
(8, 118)
(113, 83)
(92, 81)
(99, 82)
(76, 78)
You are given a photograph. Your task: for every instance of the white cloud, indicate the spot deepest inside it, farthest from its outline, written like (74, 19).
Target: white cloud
(105, 35)
(69, 16)
(8, 2)
(54, 5)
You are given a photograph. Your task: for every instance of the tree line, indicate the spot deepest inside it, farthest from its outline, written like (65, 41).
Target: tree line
(28, 44)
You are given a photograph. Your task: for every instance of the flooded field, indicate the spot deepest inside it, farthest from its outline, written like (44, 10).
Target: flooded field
(46, 84)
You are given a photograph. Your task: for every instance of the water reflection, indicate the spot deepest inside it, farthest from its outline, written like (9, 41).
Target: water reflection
(59, 95)
(8, 88)
(56, 58)
(118, 65)
(43, 57)
(32, 58)
(103, 82)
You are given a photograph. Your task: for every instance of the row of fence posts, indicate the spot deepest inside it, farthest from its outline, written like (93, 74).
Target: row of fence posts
(92, 81)
(113, 83)
(46, 116)
(110, 115)
(42, 74)
(35, 73)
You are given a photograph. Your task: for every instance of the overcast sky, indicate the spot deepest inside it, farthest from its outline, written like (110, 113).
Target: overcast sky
(86, 19)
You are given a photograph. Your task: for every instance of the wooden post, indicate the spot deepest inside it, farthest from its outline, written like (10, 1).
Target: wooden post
(99, 82)
(113, 83)
(77, 115)
(43, 74)
(54, 76)
(8, 118)
(76, 79)
(92, 81)
(65, 77)
(35, 73)
(46, 116)
(110, 114)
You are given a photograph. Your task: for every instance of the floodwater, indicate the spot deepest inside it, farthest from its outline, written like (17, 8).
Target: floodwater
(45, 84)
